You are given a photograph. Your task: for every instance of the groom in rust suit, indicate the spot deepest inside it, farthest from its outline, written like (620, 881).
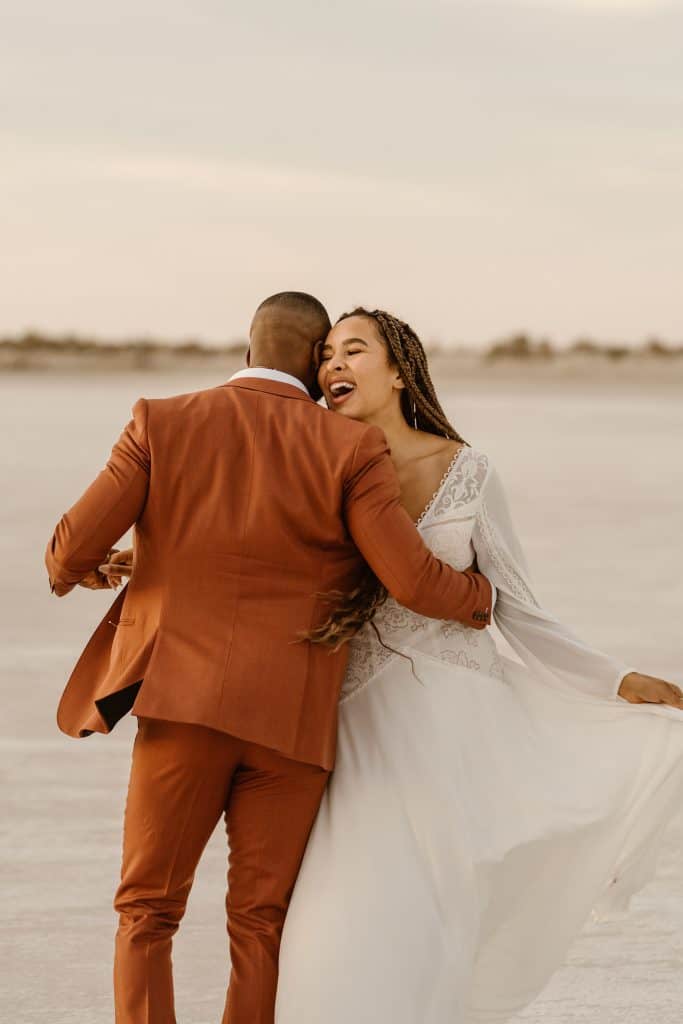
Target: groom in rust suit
(249, 502)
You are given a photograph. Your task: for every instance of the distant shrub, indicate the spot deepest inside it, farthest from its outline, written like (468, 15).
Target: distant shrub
(655, 347)
(521, 346)
(189, 348)
(617, 352)
(585, 347)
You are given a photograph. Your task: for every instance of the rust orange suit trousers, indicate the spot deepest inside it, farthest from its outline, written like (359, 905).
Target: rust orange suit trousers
(183, 778)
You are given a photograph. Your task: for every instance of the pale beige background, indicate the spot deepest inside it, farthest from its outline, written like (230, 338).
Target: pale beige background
(479, 166)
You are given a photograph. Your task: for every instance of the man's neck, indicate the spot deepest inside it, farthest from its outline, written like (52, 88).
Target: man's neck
(278, 369)
(272, 373)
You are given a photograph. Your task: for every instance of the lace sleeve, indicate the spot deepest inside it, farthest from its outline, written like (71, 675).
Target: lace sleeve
(543, 643)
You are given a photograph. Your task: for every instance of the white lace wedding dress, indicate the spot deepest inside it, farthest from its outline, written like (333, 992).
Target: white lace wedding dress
(479, 815)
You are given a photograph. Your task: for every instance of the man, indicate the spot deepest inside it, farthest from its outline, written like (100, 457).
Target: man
(250, 503)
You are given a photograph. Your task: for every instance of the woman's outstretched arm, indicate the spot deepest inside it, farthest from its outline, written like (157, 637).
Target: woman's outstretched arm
(547, 646)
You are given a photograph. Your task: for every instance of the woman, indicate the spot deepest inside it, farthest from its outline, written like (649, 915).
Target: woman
(479, 808)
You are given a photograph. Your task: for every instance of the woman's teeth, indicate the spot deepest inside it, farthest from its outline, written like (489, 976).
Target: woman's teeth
(341, 389)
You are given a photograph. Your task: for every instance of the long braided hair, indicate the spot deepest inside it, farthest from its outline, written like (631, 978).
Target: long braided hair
(422, 411)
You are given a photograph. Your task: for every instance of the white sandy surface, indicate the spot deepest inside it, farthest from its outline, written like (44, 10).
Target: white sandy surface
(595, 479)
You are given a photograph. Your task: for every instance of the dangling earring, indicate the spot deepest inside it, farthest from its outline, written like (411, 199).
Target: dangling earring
(414, 415)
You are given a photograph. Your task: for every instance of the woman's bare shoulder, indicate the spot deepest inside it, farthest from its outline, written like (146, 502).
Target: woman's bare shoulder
(431, 446)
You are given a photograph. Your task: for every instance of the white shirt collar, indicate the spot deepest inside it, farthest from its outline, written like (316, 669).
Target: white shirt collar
(266, 374)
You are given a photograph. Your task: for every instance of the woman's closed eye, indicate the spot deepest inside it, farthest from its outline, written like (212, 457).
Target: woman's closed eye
(326, 356)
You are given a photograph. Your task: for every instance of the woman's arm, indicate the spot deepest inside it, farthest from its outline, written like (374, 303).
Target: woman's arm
(387, 539)
(545, 645)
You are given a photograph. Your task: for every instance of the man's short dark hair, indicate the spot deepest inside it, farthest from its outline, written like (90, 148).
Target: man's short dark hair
(300, 302)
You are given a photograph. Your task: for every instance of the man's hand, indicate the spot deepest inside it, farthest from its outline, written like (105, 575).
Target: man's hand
(640, 689)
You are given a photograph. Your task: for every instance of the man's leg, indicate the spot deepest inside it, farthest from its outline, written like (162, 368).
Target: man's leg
(271, 809)
(179, 785)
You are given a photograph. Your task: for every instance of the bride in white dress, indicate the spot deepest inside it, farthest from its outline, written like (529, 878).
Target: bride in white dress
(482, 808)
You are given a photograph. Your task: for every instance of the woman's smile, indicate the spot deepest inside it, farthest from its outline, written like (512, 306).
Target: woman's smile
(338, 391)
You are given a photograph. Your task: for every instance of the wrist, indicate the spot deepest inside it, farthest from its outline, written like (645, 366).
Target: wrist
(628, 680)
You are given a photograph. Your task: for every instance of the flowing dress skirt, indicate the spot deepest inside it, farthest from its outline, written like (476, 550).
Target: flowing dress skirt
(471, 827)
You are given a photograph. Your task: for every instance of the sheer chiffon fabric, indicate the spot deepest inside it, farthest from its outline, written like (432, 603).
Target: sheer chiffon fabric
(481, 809)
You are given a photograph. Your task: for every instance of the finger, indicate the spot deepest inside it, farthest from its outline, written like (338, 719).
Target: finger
(675, 695)
(668, 695)
(121, 566)
(120, 556)
(107, 569)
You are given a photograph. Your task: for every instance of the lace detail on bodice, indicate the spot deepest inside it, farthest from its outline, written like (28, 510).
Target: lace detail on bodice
(446, 526)
(461, 486)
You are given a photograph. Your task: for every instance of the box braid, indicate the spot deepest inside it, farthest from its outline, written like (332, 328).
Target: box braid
(422, 410)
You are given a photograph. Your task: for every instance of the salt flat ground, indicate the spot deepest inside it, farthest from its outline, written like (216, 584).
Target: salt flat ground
(595, 480)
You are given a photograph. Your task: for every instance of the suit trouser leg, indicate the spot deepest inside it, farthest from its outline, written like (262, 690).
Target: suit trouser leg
(271, 809)
(183, 777)
(179, 783)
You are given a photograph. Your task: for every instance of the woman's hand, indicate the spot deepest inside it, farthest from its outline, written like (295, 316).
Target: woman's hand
(110, 574)
(118, 565)
(95, 580)
(640, 689)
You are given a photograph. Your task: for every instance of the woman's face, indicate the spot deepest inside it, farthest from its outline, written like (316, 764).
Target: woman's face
(355, 375)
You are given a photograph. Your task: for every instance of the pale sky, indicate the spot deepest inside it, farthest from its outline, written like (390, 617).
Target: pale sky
(474, 167)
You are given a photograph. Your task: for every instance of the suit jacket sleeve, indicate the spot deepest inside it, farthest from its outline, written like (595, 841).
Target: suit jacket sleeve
(391, 545)
(105, 511)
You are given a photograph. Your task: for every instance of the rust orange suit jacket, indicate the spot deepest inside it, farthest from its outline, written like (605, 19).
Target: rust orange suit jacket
(249, 501)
